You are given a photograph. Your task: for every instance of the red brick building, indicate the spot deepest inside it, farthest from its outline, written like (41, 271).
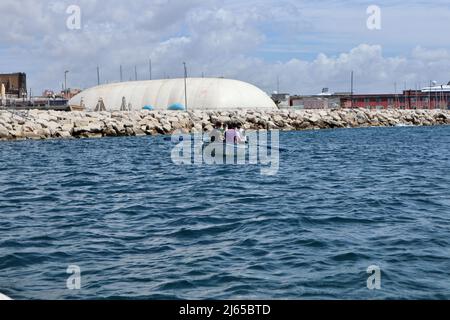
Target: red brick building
(409, 99)
(433, 97)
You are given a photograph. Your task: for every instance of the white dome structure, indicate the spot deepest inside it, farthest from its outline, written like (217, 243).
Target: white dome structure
(202, 94)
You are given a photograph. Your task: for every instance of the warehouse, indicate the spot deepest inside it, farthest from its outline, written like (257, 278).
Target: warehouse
(174, 94)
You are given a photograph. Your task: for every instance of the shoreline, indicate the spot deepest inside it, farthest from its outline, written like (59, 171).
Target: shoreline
(39, 125)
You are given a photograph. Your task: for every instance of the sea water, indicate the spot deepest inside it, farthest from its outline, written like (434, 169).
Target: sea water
(116, 218)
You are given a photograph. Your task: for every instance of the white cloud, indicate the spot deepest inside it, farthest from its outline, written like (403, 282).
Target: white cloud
(373, 71)
(425, 55)
(309, 45)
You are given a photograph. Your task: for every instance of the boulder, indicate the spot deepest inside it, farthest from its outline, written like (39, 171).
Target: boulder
(81, 123)
(62, 134)
(4, 133)
(35, 124)
(109, 131)
(314, 118)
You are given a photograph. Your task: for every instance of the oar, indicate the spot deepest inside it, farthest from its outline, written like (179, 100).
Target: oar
(246, 142)
(268, 147)
(179, 140)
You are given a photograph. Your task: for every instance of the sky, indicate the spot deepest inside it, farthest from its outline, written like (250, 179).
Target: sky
(307, 45)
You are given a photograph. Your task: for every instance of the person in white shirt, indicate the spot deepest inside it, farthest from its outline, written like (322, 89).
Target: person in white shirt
(241, 132)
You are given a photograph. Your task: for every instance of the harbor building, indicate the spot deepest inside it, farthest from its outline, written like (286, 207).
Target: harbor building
(432, 97)
(173, 94)
(14, 84)
(282, 100)
(409, 99)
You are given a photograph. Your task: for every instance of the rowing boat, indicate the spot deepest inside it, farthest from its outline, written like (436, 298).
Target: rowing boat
(3, 297)
(220, 149)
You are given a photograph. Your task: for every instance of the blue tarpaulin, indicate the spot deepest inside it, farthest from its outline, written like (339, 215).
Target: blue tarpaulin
(177, 107)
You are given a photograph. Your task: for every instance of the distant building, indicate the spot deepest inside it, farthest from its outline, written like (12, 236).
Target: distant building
(15, 84)
(281, 99)
(315, 102)
(70, 93)
(433, 97)
(409, 99)
(48, 94)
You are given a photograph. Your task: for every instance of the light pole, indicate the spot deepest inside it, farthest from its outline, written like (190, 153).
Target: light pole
(150, 68)
(185, 87)
(65, 82)
(351, 91)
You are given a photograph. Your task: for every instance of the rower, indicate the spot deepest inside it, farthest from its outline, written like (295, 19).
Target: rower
(241, 132)
(217, 133)
(232, 135)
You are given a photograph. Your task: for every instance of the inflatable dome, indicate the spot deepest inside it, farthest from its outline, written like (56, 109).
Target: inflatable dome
(202, 94)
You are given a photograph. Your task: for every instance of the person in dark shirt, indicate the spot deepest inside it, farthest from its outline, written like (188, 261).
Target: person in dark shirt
(216, 134)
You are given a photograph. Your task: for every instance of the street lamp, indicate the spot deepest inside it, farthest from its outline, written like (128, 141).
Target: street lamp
(185, 87)
(150, 68)
(65, 81)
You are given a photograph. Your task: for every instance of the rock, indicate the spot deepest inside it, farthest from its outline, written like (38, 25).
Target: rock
(63, 135)
(118, 128)
(361, 117)
(393, 122)
(375, 122)
(314, 118)
(35, 124)
(271, 125)
(4, 133)
(336, 124)
(305, 126)
(167, 127)
(91, 135)
(197, 128)
(128, 124)
(130, 131)
(6, 125)
(66, 127)
(139, 132)
(91, 128)
(33, 135)
(81, 123)
(109, 131)
(208, 128)
(336, 117)
(96, 127)
(278, 118)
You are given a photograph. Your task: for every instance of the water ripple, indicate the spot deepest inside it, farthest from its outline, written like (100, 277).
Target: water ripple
(140, 227)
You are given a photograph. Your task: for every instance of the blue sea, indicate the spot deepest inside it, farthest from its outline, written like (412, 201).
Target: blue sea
(140, 227)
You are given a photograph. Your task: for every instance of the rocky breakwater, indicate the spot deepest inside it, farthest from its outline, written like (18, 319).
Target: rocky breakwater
(34, 124)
